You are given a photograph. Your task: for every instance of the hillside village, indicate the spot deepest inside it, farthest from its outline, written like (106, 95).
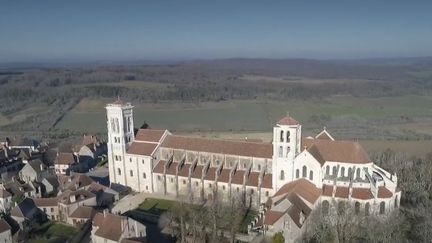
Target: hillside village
(73, 190)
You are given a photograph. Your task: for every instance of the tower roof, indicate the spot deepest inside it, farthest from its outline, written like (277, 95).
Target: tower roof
(288, 121)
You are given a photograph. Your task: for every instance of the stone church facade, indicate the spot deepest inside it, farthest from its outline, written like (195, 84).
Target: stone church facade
(285, 180)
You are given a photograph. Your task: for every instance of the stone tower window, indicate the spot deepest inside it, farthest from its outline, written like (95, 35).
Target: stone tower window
(281, 136)
(288, 137)
(311, 175)
(304, 171)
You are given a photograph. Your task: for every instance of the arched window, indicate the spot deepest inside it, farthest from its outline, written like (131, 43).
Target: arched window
(342, 171)
(282, 175)
(281, 136)
(118, 171)
(304, 171)
(382, 208)
(297, 173)
(334, 170)
(325, 207)
(288, 137)
(327, 170)
(349, 172)
(357, 207)
(311, 175)
(358, 172)
(367, 208)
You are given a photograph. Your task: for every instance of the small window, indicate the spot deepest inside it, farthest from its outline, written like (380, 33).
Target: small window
(196, 183)
(282, 175)
(311, 175)
(382, 208)
(252, 191)
(144, 175)
(334, 170)
(358, 173)
(118, 171)
(171, 180)
(159, 177)
(210, 185)
(267, 193)
(357, 208)
(184, 182)
(130, 159)
(281, 136)
(223, 188)
(342, 171)
(327, 170)
(238, 189)
(304, 171)
(288, 139)
(297, 173)
(280, 151)
(143, 161)
(259, 167)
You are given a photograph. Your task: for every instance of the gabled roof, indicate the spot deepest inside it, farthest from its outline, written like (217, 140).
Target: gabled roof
(249, 149)
(288, 121)
(110, 226)
(139, 148)
(83, 212)
(36, 165)
(337, 151)
(4, 193)
(383, 192)
(302, 187)
(70, 197)
(324, 135)
(267, 181)
(65, 158)
(46, 202)
(149, 135)
(23, 209)
(4, 226)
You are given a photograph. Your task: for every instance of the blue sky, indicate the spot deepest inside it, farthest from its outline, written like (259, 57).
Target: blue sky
(163, 30)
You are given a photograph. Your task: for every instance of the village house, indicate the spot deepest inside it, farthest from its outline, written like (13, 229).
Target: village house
(5, 231)
(107, 228)
(26, 214)
(5, 200)
(81, 215)
(63, 162)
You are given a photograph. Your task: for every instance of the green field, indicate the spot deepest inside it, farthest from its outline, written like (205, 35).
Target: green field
(257, 115)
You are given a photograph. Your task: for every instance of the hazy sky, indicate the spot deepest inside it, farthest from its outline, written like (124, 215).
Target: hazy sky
(38, 30)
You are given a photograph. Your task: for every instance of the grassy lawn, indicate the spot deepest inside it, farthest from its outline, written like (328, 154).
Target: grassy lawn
(156, 206)
(52, 232)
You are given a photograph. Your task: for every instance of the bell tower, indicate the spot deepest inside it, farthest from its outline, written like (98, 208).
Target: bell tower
(120, 137)
(286, 146)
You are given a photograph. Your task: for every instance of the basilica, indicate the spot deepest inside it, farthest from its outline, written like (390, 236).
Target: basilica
(284, 180)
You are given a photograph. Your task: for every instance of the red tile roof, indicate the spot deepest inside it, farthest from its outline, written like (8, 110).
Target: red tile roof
(224, 175)
(149, 135)
(337, 151)
(110, 226)
(65, 159)
(197, 172)
(271, 217)
(288, 121)
(302, 187)
(261, 150)
(159, 168)
(238, 177)
(253, 180)
(184, 170)
(211, 174)
(362, 193)
(267, 181)
(342, 192)
(383, 192)
(327, 190)
(140, 148)
(172, 169)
